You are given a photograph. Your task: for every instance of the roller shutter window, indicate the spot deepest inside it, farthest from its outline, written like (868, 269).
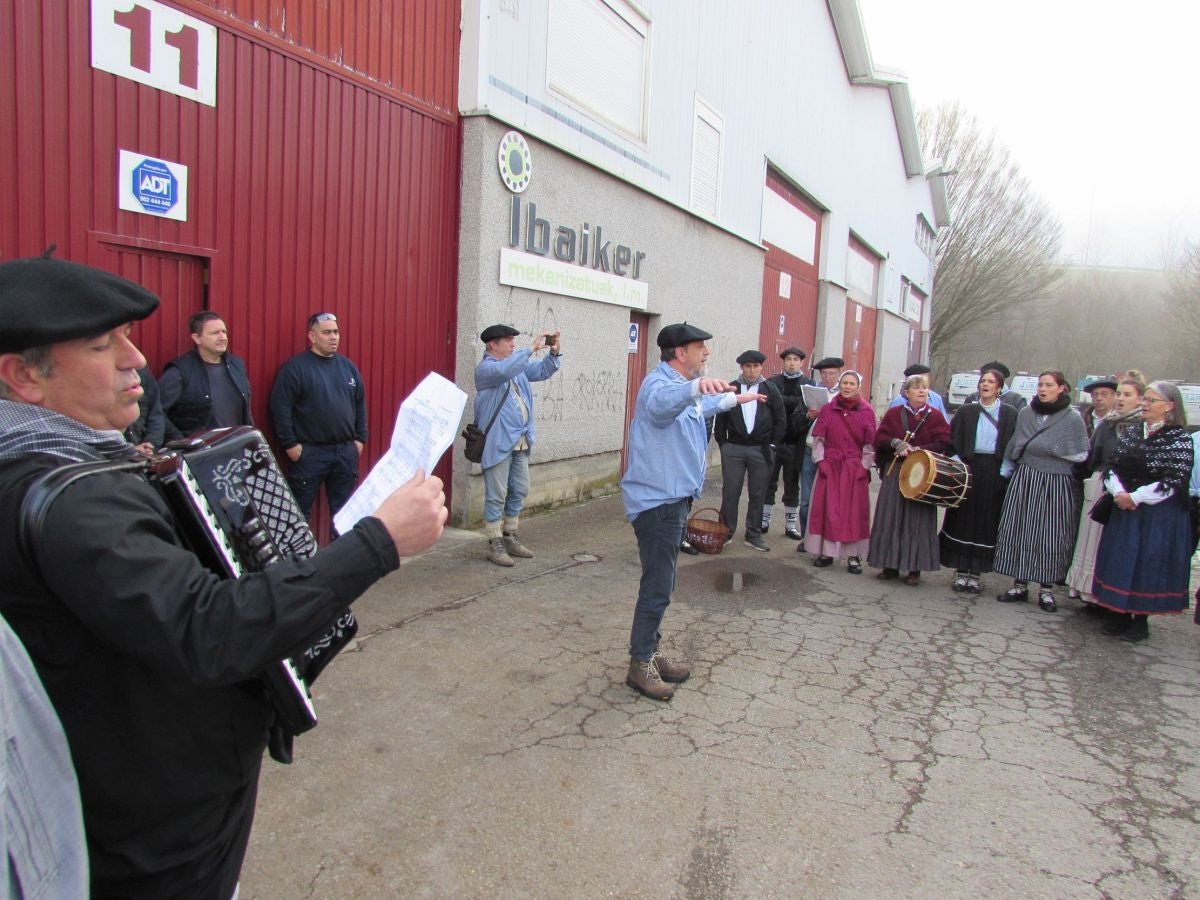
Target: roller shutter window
(588, 37)
(707, 134)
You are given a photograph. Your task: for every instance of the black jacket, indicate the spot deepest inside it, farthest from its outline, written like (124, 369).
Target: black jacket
(318, 400)
(190, 409)
(794, 407)
(151, 427)
(963, 425)
(146, 656)
(770, 422)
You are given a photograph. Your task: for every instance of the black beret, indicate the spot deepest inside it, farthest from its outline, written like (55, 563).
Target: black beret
(681, 335)
(47, 301)
(495, 332)
(917, 369)
(1104, 381)
(793, 351)
(829, 362)
(995, 367)
(751, 356)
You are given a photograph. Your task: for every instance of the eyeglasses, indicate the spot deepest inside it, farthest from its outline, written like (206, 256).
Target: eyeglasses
(1153, 400)
(321, 317)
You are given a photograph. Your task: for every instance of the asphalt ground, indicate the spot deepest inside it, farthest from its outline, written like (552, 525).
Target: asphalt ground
(840, 737)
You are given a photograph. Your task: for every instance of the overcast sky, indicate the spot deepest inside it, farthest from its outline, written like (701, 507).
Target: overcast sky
(1096, 99)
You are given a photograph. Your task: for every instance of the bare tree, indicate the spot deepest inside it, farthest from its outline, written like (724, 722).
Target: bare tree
(1183, 296)
(1001, 250)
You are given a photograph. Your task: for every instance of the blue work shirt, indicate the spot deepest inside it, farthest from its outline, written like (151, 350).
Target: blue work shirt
(491, 388)
(668, 443)
(1194, 485)
(935, 400)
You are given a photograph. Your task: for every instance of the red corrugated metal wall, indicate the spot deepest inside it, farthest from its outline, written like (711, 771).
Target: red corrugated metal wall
(799, 310)
(310, 188)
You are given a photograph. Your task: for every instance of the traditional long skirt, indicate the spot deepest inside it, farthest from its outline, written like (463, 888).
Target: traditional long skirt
(1038, 523)
(839, 514)
(968, 538)
(904, 532)
(1083, 565)
(1144, 560)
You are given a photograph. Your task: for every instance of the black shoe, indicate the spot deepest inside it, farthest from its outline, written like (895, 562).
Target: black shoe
(1091, 609)
(1117, 624)
(792, 534)
(1014, 595)
(687, 548)
(1138, 630)
(822, 561)
(960, 583)
(1046, 601)
(854, 565)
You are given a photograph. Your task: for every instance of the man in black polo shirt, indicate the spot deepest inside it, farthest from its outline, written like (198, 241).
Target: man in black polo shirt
(207, 387)
(320, 415)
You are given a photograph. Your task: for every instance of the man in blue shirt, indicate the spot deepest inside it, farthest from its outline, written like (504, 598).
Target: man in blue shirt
(935, 399)
(504, 409)
(668, 455)
(320, 413)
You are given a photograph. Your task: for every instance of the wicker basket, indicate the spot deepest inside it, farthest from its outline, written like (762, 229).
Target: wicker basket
(707, 535)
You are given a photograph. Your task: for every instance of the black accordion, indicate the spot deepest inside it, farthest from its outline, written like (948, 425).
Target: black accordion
(233, 509)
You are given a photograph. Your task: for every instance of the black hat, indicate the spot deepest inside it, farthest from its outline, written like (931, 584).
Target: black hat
(793, 351)
(829, 362)
(681, 335)
(917, 369)
(996, 367)
(751, 356)
(47, 301)
(1103, 381)
(495, 332)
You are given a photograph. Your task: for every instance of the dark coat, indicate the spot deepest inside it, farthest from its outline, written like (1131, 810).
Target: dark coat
(190, 409)
(794, 407)
(148, 658)
(770, 422)
(966, 420)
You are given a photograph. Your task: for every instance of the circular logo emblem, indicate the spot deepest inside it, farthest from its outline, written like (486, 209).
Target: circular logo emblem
(516, 165)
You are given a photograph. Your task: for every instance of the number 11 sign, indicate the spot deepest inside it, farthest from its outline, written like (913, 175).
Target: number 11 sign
(155, 44)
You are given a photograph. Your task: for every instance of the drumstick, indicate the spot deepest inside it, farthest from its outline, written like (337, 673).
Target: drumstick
(892, 464)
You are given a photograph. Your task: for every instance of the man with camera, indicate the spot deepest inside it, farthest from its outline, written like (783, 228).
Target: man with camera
(504, 398)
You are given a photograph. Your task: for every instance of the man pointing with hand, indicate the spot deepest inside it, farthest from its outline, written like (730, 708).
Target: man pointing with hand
(668, 447)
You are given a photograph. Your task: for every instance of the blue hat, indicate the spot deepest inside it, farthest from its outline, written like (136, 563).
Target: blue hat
(681, 335)
(47, 301)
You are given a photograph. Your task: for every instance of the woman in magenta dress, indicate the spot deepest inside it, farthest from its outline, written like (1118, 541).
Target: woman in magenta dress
(839, 514)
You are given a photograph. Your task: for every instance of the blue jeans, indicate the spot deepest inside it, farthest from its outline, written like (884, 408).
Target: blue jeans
(808, 474)
(334, 465)
(505, 487)
(659, 531)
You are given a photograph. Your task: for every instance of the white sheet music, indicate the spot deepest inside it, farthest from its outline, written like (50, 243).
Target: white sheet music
(426, 425)
(815, 396)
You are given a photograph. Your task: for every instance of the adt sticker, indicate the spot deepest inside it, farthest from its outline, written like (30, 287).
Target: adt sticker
(156, 187)
(633, 337)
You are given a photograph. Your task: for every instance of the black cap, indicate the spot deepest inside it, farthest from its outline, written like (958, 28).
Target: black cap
(46, 301)
(996, 367)
(829, 362)
(1104, 381)
(751, 356)
(495, 332)
(917, 369)
(681, 335)
(793, 351)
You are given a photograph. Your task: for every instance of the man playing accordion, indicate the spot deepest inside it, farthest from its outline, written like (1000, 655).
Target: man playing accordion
(150, 658)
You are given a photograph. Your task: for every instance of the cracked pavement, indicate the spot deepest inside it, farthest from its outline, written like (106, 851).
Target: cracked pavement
(839, 737)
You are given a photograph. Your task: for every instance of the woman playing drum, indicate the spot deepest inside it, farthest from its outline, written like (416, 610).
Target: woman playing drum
(1041, 508)
(839, 516)
(979, 436)
(904, 533)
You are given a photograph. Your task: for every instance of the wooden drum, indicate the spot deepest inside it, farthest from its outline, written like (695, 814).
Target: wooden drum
(929, 477)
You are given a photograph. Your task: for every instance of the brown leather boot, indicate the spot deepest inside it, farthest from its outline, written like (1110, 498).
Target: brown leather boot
(672, 670)
(498, 554)
(513, 545)
(643, 677)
